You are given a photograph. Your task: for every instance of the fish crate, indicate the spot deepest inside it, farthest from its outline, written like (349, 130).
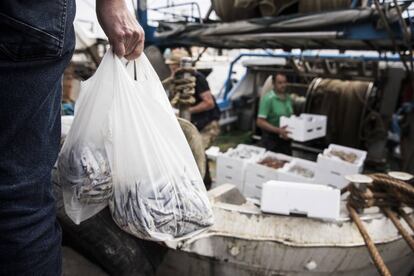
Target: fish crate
(232, 164)
(299, 170)
(305, 127)
(329, 162)
(256, 151)
(301, 199)
(330, 179)
(256, 174)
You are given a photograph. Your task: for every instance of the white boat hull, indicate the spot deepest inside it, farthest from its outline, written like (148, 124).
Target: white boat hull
(245, 241)
(272, 258)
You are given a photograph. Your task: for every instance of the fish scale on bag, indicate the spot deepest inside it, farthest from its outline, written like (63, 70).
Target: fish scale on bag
(134, 156)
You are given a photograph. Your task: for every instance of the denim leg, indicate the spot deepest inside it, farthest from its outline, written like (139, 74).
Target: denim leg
(30, 99)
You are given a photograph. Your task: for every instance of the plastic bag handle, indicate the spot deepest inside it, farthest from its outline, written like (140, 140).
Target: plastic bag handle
(135, 70)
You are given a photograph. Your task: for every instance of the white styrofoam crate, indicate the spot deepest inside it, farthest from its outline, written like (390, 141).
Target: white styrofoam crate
(311, 200)
(252, 189)
(336, 166)
(331, 179)
(258, 150)
(232, 170)
(305, 127)
(256, 174)
(286, 175)
(212, 153)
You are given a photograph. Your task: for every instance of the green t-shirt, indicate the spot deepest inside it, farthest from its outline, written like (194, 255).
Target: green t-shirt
(272, 107)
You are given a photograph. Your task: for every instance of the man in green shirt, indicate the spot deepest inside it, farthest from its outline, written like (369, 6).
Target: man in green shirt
(273, 105)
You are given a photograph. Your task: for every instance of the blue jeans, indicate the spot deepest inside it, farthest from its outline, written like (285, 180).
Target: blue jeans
(36, 44)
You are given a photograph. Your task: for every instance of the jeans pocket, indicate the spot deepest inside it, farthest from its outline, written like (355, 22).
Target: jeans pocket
(32, 32)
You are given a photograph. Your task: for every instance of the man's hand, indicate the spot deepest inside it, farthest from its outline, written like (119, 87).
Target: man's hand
(283, 133)
(125, 35)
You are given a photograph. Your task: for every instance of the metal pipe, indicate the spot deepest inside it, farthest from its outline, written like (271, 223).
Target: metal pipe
(313, 75)
(344, 57)
(174, 15)
(405, 29)
(316, 56)
(173, 5)
(310, 35)
(390, 33)
(406, 32)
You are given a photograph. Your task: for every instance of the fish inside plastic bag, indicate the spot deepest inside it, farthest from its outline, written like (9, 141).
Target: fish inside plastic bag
(126, 148)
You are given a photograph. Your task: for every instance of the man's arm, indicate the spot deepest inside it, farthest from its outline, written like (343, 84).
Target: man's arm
(265, 125)
(207, 103)
(125, 35)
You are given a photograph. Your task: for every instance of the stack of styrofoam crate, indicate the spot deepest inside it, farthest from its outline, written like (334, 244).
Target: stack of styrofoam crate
(257, 174)
(291, 198)
(231, 169)
(332, 170)
(288, 172)
(305, 127)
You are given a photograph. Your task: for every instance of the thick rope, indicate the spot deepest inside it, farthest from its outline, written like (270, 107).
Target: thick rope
(393, 217)
(402, 190)
(407, 218)
(181, 87)
(372, 249)
(365, 199)
(385, 192)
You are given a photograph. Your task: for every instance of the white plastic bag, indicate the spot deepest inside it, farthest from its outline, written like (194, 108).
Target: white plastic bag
(83, 165)
(157, 190)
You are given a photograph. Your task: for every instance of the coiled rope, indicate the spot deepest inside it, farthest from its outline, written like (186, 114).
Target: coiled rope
(390, 195)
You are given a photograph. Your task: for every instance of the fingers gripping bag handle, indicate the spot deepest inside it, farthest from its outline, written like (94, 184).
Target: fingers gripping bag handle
(83, 165)
(158, 192)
